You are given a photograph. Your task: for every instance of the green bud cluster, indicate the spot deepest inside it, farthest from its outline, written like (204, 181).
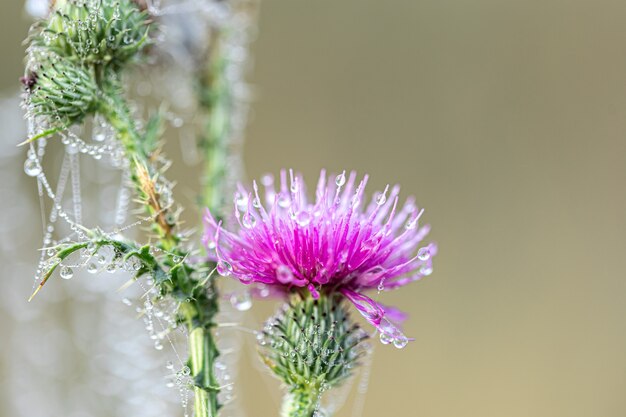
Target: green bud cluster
(76, 55)
(312, 346)
(94, 32)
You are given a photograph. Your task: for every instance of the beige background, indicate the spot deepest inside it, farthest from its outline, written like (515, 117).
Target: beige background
(507, 120)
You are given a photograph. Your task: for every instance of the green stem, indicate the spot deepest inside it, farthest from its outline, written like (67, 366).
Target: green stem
(115, 109)
(300, 404)
(198, 315)
(215, 100)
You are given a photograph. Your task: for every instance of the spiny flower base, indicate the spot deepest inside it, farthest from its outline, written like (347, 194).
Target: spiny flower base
(312, 346)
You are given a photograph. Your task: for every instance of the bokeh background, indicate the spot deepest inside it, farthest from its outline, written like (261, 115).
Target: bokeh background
(507, 121)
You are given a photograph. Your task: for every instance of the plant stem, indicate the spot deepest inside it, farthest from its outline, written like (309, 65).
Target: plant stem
(202, 354)
(215, 101)
(300, 403)
(199, 311)
(143, 173)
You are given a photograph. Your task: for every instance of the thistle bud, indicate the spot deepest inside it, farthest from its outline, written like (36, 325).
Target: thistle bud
(61, 91)
(311, 346)
(94, 32)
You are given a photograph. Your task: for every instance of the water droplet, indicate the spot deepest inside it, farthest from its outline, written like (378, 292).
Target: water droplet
(186, 371)
(248, 221)
(91, 247)
(400, 342)
(426, 270)
(283, 200)
(411, 224)
(176, 259)
(158, 345)
(111, 268)
(241, 301)
(92, 268)
(126, 301)
(66, 272)
(341, 179)
(423, 254)
(303, 218)
(169, 365)
(224, 268)
(32, 168)
(51, 252)
(241, 200)
(381, 199)
(284, 274)
(385, 339)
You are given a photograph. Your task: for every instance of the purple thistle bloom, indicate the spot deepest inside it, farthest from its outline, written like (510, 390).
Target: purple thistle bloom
(335, 244)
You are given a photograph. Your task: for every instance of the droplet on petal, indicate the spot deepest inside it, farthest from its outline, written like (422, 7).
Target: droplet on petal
(303, 218)
(426, 270)
(249, 220)
(423, 254)
(283, 200)
(400, 342)
(341, 179)
(385, 338)
(284, 274)
(224, 268)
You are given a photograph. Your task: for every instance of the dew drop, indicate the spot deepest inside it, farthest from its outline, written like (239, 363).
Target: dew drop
(186, 371)
(411, 224)
(248, 221)
(400, 342)
(341, 179)
(111, 268)
(385, 338)
(283, 200)
(381, 199)
(241, 301)
(303, 218)
(224, 268)
(284, 274)
(92, 268)
(423, 254)
(32, 168)
(426, 270)
(66, 272)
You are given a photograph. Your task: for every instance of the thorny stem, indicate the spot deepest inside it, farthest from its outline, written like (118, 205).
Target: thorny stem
(199, 310)
(140, 156)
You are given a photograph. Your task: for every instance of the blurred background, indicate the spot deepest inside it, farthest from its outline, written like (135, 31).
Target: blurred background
(507, 122)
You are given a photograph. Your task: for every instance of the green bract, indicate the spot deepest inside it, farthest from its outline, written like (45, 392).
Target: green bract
(63, 92)
(93, 32)
(312, 346)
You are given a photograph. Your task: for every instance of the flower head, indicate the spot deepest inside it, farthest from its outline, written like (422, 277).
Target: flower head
(338, 243)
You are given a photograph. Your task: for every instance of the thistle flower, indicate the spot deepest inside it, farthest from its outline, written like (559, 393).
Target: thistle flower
(322, 253)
